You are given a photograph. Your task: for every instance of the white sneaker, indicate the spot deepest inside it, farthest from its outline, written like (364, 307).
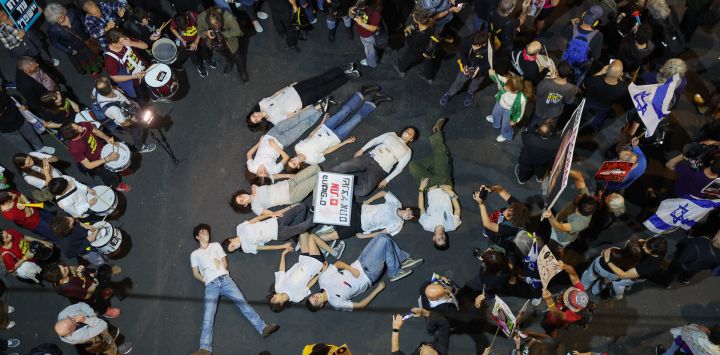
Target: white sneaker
(489, 118)
(55, 62)
(262, 15)
(402, 274)
(325, 252)
(314, 21)
(13, 343)
(339, 249)
(11, 309)
(500, 138)
(536, 301)
(10, 324)
(147, 148)
(257, 26)
(47, 150)
(410, 263)
(325, 229)
(364, 62)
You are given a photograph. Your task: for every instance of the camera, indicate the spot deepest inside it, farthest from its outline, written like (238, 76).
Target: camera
(359, 9)
(699, 155)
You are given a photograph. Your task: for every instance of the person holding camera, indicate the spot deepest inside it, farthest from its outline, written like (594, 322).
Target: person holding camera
(418, 37)
(437, 326)
(222, 31)
(502, 225)
(473, 60)
(123, 113)
(367, 17)
(184, 27)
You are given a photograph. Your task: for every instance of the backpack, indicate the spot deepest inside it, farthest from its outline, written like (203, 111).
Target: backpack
(98, 109)
(672, 38)
(577, 51)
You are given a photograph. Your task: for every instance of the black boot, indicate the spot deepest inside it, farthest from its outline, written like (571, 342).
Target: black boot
(331, 34)
(228, 67)
(379, 98)
(244, 76)
(369, 89)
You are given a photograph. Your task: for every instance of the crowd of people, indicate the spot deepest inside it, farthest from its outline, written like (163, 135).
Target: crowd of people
(539, 86)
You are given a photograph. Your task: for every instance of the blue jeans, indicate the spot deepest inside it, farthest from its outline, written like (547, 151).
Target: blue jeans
(331, 22)
(43, 228)
(222, 4)
(593, 277)
(337, 122)
(501, 119)
(370, 52)
(95, 257)
(308, 10)
(381, 251)
(224, 286)
(289, 130)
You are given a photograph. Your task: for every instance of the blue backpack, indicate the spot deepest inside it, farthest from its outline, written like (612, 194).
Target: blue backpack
(578, 49)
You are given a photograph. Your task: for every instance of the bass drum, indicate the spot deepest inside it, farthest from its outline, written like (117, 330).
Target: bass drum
(108, 239)
(165, 51)
(161, 81)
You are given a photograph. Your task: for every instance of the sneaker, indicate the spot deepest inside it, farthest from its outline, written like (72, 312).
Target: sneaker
(467, 102)
(202, 352)
(47, 150)
(202, 71)
(500, 138)
(517, 175)
(314, 21)
(269, 329)
(339, 249)
(10, 325)
(123, 187)
(324, 252)
(325, 229)
(13, 343)
(445, 99)
(489, 118)
(112, 313)
(681, 279)
(55, 62)
(540, 180)
(147, 148)
(397, 69)
(366, 90)
(211, 63)
(364, 62)
(114, 332)
(125, 348)
(262, 15)
(410, 263)
(536, 301)
(438, 126)
(423, 77)
(353, 74)
(107, 293)
(350, 67)
(11, 309)
(257, 26)
(402, 274)
(116, 269)
(659, 350)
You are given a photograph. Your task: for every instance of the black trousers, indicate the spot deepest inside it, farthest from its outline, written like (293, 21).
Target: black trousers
(198, 56)
(293, 222)
(108, 177)
(413, 57)
(281, 21)
(240, 56)
(526, 171)
(313, 89)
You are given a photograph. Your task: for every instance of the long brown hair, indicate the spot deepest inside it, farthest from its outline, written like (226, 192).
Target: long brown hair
(19, 161)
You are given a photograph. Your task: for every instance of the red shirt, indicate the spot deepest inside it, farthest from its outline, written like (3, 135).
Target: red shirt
(18, 248)
(87, 146)
(372, 18)
(570, 316)
(190, 33)
(115, 66)
(18, 216)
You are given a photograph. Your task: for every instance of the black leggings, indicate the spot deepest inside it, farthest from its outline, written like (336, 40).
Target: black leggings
(313, 89)
(293, 222)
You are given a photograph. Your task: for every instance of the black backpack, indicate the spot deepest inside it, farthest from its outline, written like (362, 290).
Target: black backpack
(672, 38)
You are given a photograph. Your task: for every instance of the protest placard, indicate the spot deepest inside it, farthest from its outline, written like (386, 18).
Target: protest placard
(333, 199)
(548, 266)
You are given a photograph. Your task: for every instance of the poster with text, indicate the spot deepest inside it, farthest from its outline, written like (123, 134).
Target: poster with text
(613, 171)
(557, 181)
(503, 316)
(548, 266)
(22, 12)
(333, 199)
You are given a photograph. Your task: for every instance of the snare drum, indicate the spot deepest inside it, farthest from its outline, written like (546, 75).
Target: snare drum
(123, 160)
(165, 51)
(106, 202)
(87, 116)
(108, 239)
(161, 81)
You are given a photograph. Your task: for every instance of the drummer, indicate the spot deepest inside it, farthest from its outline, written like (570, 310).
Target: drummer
(122, 111)
(75, 239)
(72, 196)
(85, 147)
(124, 65)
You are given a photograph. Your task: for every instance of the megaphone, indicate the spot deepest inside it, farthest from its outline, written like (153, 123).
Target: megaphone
(36, 204)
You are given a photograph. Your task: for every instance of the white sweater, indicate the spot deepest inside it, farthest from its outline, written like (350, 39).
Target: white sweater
(389, 149)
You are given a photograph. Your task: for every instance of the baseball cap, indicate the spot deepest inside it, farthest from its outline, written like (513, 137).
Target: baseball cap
(592, 15)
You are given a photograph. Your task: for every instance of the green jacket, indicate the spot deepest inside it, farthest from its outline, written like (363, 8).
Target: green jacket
(231, 29)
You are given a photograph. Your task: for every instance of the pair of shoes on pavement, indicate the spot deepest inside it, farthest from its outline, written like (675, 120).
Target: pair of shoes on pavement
(378, 98)
(338, 247)
(123, 187)
(467, 101)
(112, 313)
(438, 126)
(352, 71)
(406, 267)
(201, 68)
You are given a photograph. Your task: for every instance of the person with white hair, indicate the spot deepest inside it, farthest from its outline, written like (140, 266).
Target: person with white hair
(666, 30)
(78, 324)
(66, 33)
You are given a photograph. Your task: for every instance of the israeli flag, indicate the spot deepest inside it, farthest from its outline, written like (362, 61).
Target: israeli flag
(652, 102)
(679, 212)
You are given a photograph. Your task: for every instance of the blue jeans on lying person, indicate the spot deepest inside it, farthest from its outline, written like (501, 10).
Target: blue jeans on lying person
(338, 123)
(380, 252)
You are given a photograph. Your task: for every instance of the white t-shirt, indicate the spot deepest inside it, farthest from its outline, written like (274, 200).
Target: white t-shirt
(266, 155)
(37, 182)
(313, 147)
(294, 282)
(77, 203)
(382, 216)
(439, 212)
(254, 234)
(209, 262)
(269, 196)
(113, 112)
(281, 105)
(342, 286)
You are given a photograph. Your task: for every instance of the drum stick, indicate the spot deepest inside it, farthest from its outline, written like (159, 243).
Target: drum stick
(163, 25)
